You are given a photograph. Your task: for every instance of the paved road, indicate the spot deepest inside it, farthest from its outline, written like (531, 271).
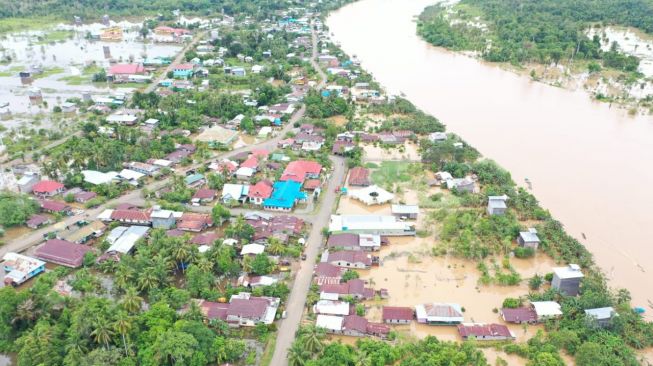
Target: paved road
(297, 300)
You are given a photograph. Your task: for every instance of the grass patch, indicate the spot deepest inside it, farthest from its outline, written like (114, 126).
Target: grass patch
(12, 71)
(54, 36)
(8, 25)
(371, 165)
(391, 172)
(86, 76)
(268, 352)
(48, 72)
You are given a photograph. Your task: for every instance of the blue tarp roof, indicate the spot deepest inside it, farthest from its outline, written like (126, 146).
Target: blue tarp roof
(284, 194)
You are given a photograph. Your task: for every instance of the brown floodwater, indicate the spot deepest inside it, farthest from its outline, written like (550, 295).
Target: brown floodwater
(589, 163)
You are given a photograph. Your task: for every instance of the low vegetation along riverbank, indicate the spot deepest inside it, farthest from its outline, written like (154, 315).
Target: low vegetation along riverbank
(604, 48)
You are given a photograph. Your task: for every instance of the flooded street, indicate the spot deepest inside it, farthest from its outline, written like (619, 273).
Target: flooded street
(589, 163)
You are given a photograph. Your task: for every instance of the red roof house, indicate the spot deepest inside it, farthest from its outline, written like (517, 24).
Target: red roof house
(204, 195)
(350, 259)
(359, 176)
(299, 170)
(519, 315)
(485, 331)
(131, 216)
(126, 69)
(355, 288)
(205, 239)
(196, 222)
(251, 162)
(55, 206)
(47, 188)
(260, 191)
(397, 314)
(62, 252)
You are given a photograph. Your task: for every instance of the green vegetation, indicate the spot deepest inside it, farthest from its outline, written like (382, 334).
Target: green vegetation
(54, 36)
(318, 106)
(542, 31)
(391, 172)
(310, 349)
(15, 209)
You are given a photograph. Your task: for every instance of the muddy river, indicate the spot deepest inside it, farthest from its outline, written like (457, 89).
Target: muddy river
(589, 163)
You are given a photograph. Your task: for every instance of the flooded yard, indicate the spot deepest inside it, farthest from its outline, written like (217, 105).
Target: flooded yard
(409, 151)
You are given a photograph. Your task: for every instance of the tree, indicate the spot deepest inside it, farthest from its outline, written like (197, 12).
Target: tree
(123, 325)
(198, 281)
(220, 214)
(297, 354)
(349, 274)
(131, 302)
(174, 348)
(102, 332)
(262, 265)
(312, 338)
(275, 246)
(15, 209)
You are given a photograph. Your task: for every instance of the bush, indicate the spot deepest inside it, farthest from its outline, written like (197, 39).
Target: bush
(512, 303)
(524, 252)
(535, 282)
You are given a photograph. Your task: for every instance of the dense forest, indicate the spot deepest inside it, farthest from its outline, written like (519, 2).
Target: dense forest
(541, 31)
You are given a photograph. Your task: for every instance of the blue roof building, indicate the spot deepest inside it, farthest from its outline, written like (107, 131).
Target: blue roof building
(284, 196)
(194, 180)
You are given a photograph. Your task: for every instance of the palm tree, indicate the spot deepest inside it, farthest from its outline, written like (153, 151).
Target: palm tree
(362, 359)
(297, 354)
(204, 265)
(181, 254)
(131, 302)
(275, 246)
(313, 337)
(123, 325)
(147, 281)
(102, 332)
(124, 276)
(26, 312)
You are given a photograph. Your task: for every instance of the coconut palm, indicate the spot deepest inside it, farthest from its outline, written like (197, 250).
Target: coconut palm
(297, 354)
(204, 264)
(102, 332)
(275, 246)
(312, 338)
(362, 359)
(122, 325)
(181, 254)
(26, 312)
(131, 302)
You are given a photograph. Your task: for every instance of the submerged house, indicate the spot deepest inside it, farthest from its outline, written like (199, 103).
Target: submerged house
(528, 239)
(439, 313)
(370, 224)
(496, 205)
(600, 317)
(567, 279)
(485, 332)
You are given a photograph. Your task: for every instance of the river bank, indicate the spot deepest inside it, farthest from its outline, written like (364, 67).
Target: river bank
(587, 161)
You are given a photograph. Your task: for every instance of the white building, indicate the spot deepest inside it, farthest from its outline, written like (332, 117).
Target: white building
(370, 224)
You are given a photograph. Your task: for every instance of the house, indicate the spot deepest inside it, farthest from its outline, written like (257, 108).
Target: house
(437, 136)
(496, 205)
(83, 197)
(234, 192)
(283, 108)
(20, 268)
(238, 71)
(225, 167)
(245, 173)
(286, 143)
(165, 34)
(121, 73)
(299, 170)
(405, 211)
(600, 317)
(55, 207)
(47, 188)
(96, 178)
(196, 222)
(257, 281)
(164, 219)
(183, 71)
(285, 194)
(260, 192)
(131, 216)
(204, 195)
(439, 313)
(331, 323)
(370, 224)
(327, 273)
(466, 184)
(252, 249)
(348, 259)
(194, 180)
(355, 326)
(264, 132)
(331, 307)
(123, 239)
(372, 195)
(354, 288)
(397, 315)
(217, 136)
(528, 239)
(346, 241)
(359, 176)
(546, 310)
(369, 242)
(131, 176)
(123, 117)
(94, 229)
(62, 252)
(342, 147)
(567, 279)
(27, 182)
(247, 310)
(205, 239)
(519, 315)
(143, 168)
(36, 221)
(485, 332)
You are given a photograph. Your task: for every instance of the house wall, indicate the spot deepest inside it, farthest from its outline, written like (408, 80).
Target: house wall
(397, 321)
(163, 223)
(496, 211)
(567, 286)
(530, 244)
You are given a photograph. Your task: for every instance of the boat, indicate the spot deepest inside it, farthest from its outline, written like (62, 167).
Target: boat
(639, 310)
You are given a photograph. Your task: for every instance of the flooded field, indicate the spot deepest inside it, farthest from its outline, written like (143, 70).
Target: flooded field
(66, 57)
(406, 152)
